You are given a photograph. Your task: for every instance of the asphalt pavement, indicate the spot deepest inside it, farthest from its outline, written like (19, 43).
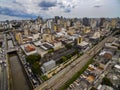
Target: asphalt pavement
(3, 70)
(3, 78)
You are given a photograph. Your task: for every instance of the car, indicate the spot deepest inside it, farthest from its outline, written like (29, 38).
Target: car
(4, 61)
(29, 70)
(35, 82)
(1, 51)
(25, 65)
(5, 64)
(1, 61)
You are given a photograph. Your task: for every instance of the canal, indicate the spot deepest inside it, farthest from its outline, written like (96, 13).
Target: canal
(18, 78)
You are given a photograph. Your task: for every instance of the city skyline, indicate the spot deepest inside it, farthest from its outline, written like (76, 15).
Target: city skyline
(26, 9)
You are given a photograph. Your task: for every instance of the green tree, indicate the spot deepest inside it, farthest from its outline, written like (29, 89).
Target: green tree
(118, 47)
(106, 81)
(68, 56)
(93, 88)
(76, 52)
(44, 77)
(64, 58)
(51, 50)
(36, 68)
(68, 46)
(33, 58)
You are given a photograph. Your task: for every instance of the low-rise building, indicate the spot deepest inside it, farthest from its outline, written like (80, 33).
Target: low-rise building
(104, 87)
(57, 45)
(83, 45)
(29, 49)
(48, 66)
(36, 36)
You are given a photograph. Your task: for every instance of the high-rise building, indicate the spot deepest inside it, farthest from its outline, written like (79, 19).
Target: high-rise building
(68, 23)
(49, 24)
(86, 21)
(26, 32)
(102, 20)
(113, 23)
(79, 39)
(87, 30)
(93, 23)
(39, 20)
(65, 25)
(48, 37)
(55, 28)
(19, 38)
(56, 19)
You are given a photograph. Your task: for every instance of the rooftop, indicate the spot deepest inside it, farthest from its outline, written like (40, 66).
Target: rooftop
(83, 43)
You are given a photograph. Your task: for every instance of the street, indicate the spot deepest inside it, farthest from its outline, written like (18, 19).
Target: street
(3, 79)
(3, 69)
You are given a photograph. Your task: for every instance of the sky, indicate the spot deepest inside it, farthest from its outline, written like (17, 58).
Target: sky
(26, 9)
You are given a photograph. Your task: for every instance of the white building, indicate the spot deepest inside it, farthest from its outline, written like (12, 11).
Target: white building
(49, 24)
(57, 45)
(36, 36)
(48, 66)
(104, 87)
(96, 35)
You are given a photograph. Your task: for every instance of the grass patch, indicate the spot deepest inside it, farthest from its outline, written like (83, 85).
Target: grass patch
(44, 77)
(76, 75)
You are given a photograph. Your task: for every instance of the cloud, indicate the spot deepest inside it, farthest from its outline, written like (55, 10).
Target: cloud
(67, 10)
(51, 8)
(7, 17)
(33, 8)
(17, 3)
(46, 4)
(10, 12)
(67, 6)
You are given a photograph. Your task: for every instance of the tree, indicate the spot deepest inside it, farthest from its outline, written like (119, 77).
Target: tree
(64, 58)
(93, 88)
(118, 47)
(68, 56)
(106, 81)
(68, 46)
(33, 58)
(36, 68)
(119, 87)
(51, 50)
(44, 77)
(76, 52)
(34, 61)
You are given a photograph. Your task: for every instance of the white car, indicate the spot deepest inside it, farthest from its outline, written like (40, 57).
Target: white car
(1, 61)
(5, 64)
